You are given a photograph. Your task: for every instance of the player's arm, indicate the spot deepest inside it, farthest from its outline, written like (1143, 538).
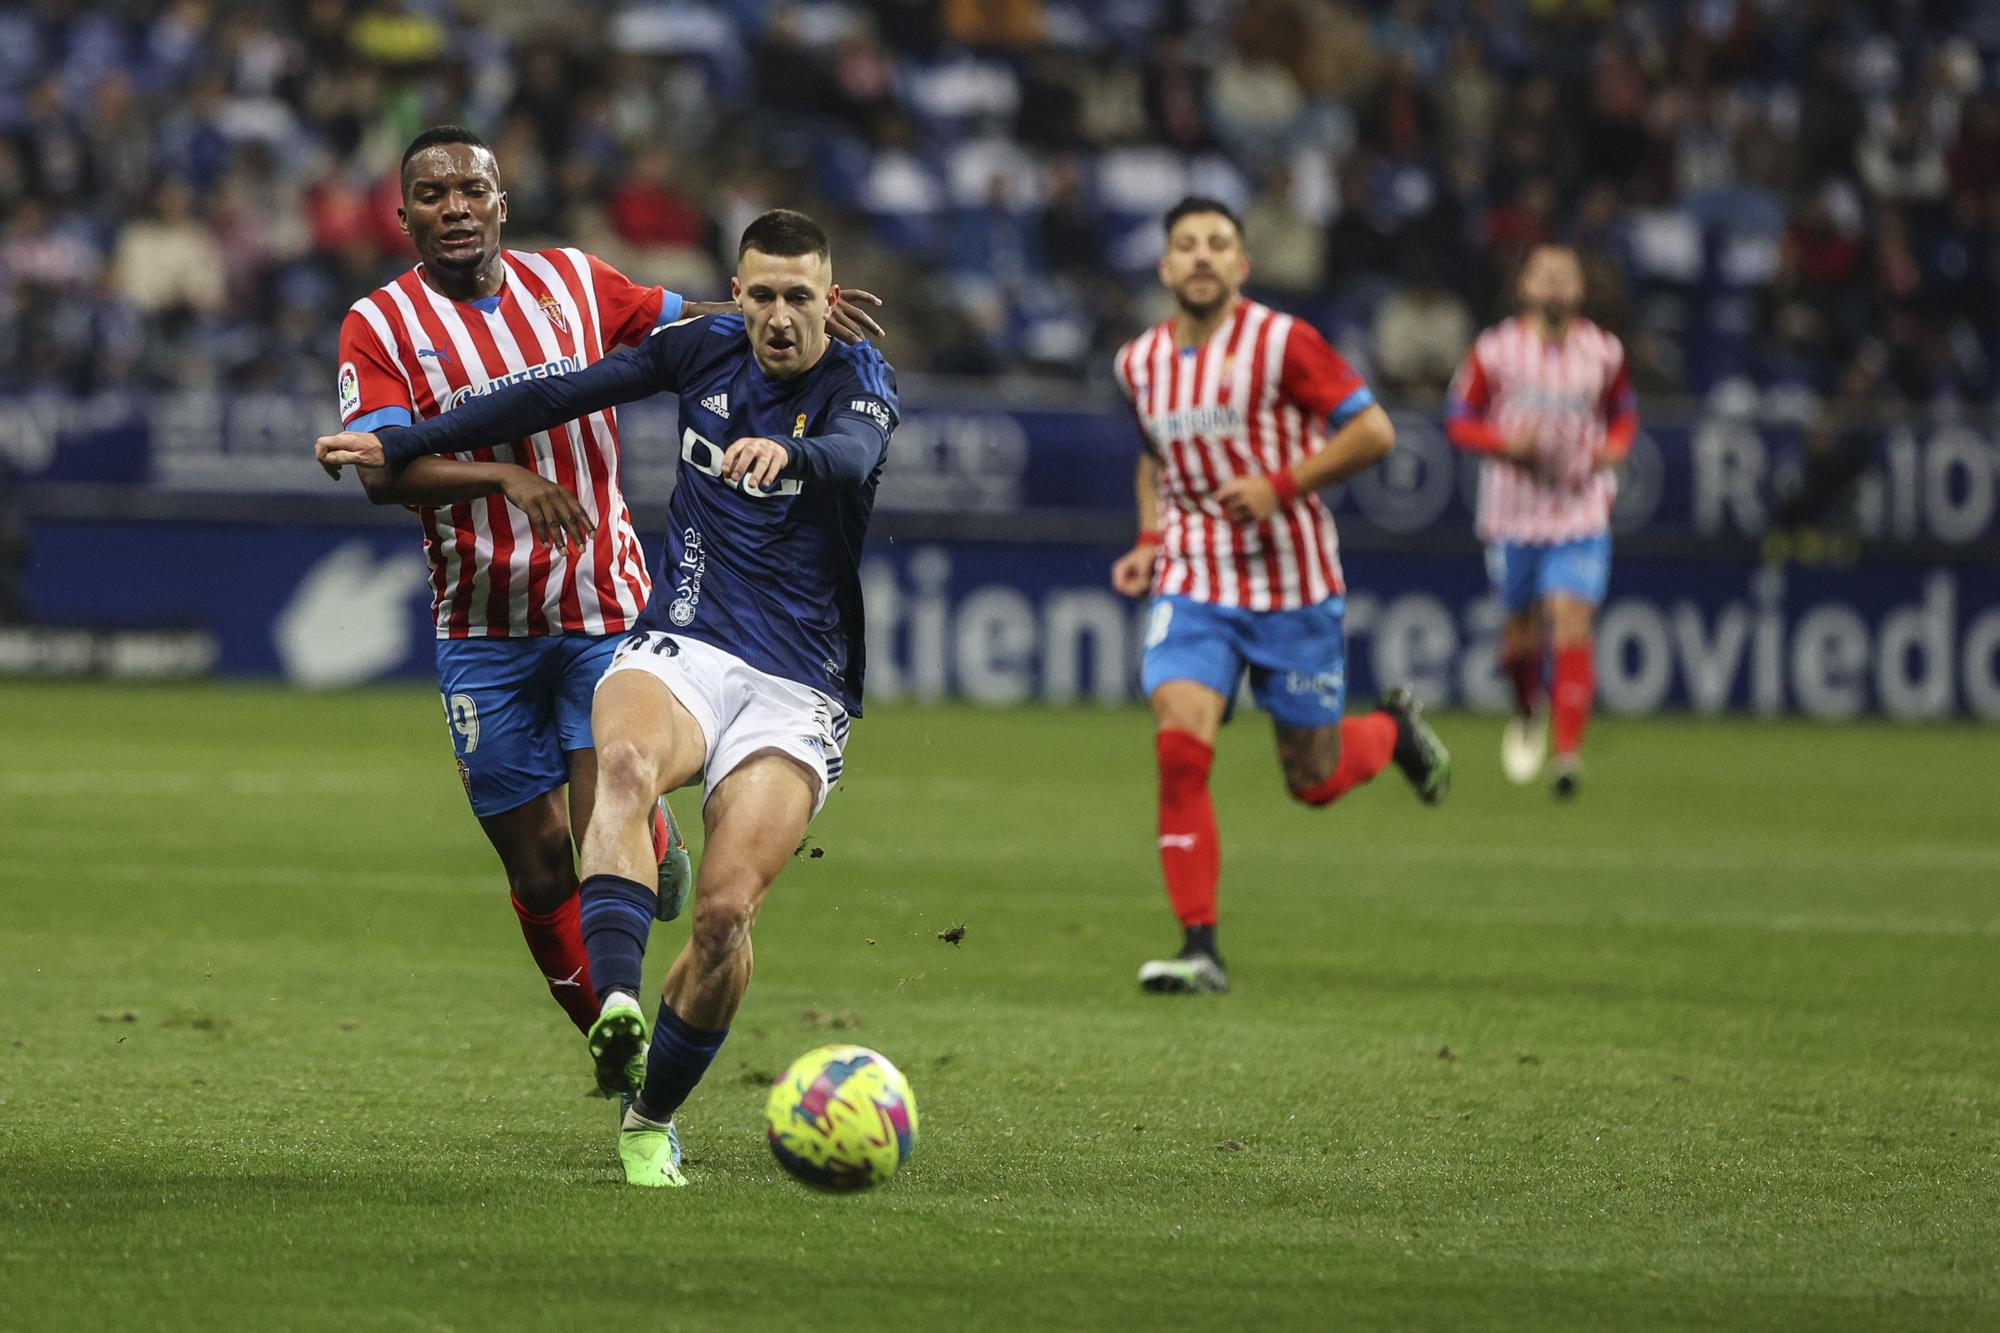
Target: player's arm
(1620, 406)
(1318, 381)
(374, 395)
(1469, 422)
(1132, 573)
(846, 321)
(632, 310)
(524, 408)
(553, 513)
(846, 453)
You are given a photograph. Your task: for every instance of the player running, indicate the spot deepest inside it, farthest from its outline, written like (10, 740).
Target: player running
(536, 573)
(746, 673)
(1245, 413)
(1546, 397)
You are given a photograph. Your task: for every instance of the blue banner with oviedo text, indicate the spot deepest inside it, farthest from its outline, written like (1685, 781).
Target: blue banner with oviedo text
(327, 605)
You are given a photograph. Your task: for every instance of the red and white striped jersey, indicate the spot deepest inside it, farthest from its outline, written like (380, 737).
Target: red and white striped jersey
(1255, 398)
(1575, 396)
(408, 353)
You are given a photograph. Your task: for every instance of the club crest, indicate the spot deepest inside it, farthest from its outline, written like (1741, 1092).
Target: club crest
(553, 309)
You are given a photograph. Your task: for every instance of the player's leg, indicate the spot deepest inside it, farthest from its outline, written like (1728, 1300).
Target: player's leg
(511, 766)
(585, 664)
(1573, 585)
(1514, 568)
(533, 840)
(647, 743)
(1190, 671)
(753, 822)
(768, 774)
(1298, 673)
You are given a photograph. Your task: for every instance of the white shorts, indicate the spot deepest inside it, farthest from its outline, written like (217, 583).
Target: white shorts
(741, 711)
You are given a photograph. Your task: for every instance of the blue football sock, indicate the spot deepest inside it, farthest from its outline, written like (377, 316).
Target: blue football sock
(675, 1062)
(617, 916)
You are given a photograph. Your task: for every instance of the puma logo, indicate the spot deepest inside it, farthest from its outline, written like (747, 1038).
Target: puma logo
(570, 980)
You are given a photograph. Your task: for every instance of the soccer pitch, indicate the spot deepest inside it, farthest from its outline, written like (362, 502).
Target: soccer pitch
(1711, 1048)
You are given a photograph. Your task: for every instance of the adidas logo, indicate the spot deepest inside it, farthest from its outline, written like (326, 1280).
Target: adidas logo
(717, 403)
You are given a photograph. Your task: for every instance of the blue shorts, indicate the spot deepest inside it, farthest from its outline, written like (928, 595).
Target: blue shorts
(516, 708)
(1524, 573)
(1297, 660)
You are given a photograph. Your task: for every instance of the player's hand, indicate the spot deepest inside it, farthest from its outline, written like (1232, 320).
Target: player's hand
(557, 517)
(755, 460)
(1132, 573)
(1522, 449)
(349, 446)
(1248, 500)
(847, 322)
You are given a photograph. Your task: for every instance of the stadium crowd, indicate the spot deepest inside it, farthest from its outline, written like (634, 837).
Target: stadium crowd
(1801, 197)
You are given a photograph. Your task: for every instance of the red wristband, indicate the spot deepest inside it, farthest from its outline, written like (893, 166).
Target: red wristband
(1150, 537)
(1285, 484)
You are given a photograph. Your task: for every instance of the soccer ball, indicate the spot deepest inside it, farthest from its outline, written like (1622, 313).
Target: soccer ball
(841, 1118)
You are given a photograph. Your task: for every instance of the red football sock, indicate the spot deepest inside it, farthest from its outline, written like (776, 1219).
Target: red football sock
(1366, 744)
(556, 940)
(1576, 684)
(1190, 855)
(1525, 671)
(660, 842)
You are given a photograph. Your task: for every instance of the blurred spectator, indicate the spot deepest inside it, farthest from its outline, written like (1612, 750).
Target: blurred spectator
(1420, 337)
(168, 260)
(1287, 248)
(192, 192)
(647, 210)
(1901, 161)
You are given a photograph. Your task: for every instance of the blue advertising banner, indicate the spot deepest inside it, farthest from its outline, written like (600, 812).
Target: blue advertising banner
(1703, 478)
(1000, 623)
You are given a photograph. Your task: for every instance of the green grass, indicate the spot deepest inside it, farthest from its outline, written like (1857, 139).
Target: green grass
(1712, 1048)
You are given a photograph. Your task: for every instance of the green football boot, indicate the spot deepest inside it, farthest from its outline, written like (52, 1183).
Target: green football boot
(676, 870)
(618, 1046)
(1419, 752)
(1193, 973)
(650, 1152)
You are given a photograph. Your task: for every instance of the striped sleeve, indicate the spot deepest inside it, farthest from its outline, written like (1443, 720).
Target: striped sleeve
(628, 310)
(1318, 380)
(1620, 406)
(1468, 421)
(372, 388)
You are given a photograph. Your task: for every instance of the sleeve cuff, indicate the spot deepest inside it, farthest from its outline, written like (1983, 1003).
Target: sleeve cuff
(1351, 407)
(380, 417)
(671, 305)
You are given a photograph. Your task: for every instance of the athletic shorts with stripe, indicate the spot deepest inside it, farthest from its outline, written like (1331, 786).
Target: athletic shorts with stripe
(741, 711)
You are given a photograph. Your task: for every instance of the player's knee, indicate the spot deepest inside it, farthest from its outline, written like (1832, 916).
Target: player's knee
(1307, 784)
(1307, 774)
(722, 922)
(540, 871)
(1572, 627)
(627, 768)
(1184, 761)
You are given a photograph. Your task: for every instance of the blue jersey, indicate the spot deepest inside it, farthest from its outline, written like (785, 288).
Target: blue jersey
(772, 576)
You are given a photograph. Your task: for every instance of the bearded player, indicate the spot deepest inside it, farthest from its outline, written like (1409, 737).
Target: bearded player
(1245, 414)
(535, 570)
(1545, 396)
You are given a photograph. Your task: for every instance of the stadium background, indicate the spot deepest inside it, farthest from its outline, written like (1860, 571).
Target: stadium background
(1790, 212)
(1708, 1048)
